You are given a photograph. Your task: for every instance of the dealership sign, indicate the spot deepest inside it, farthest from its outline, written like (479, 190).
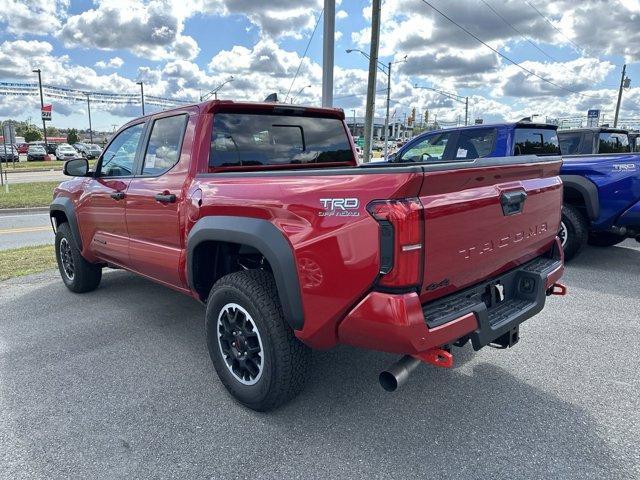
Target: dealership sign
(592, 118)
(46, 112)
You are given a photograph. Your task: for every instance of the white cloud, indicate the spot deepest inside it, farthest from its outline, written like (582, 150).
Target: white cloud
(35, 17)
(115, 62)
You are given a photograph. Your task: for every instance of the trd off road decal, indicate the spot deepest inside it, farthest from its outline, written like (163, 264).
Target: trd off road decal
(339, 207)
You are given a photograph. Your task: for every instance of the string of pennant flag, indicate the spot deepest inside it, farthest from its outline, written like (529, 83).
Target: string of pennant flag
(69, 94)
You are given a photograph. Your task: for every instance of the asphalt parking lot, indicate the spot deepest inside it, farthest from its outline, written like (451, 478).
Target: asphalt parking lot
(118, 383)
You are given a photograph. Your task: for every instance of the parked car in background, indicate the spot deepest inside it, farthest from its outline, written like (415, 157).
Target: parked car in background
(92, 151)
(51, 148)
(80, 148)
(23, 147)
(9, 153)
(37, 153)
(66, 152)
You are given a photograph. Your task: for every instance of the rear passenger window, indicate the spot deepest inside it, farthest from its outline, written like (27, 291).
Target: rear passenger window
(536, 141)
(614, 143)
(431, 149)
(165, 142)
(475, 143)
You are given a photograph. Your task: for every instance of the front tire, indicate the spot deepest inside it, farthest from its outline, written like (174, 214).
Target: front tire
(253, 349)
(573, 231)
(78, 275)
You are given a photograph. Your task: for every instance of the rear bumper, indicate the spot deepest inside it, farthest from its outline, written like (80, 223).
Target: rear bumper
(400, 324)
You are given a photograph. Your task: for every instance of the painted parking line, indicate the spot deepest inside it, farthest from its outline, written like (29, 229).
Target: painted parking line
(24, 230)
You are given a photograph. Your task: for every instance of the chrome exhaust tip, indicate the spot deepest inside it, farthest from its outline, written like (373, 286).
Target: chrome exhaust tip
(397, 374)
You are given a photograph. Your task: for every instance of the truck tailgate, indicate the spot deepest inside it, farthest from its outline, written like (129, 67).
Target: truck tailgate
(485, 218)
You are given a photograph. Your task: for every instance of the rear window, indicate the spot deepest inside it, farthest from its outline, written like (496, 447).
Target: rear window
(570, 143)
(610, 142)
(536, 141)
(243, 139)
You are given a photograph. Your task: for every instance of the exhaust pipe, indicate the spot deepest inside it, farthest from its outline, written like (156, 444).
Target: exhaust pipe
(397, 374)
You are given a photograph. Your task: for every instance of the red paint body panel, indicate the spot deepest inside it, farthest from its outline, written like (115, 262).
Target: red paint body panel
(467, 238)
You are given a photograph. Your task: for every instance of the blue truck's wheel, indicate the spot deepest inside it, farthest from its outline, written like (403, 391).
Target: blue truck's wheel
(254, 351)
(573, 231)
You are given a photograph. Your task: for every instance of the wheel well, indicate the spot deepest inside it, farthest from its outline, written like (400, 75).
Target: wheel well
(575, 198)
(213, 260)
(59, 216)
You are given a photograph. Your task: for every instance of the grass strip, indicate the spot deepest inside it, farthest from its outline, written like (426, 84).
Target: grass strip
(26, 260)
(22, 195)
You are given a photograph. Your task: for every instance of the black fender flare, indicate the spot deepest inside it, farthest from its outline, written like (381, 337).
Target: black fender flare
(587, 189)
(266, 238)
(65, 205)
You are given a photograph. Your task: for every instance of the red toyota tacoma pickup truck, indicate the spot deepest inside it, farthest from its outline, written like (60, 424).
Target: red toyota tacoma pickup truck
(261, 211)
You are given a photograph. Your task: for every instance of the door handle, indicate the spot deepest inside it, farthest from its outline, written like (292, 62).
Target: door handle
(117, 195)
(165, 198)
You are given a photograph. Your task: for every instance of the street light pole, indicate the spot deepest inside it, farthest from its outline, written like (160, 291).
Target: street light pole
(386, 118)
(214, 92)
(142, 95)
(89, 110)
(44, 123)
(452, 96)
(299, 92)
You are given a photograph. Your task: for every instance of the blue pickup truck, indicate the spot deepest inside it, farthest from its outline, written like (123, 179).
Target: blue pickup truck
(600, 174)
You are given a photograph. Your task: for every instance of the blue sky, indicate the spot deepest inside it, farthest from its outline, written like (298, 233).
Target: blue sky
(179, 48)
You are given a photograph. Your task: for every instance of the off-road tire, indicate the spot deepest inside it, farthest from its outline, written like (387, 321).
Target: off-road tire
(86, 276)
(605, 239)
(576, 231)
(285, 360)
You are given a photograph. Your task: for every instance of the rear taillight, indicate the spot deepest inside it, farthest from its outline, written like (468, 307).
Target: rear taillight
(401, 241)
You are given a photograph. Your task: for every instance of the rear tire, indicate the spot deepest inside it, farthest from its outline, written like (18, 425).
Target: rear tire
(605, 239)
(78, 275)
(573, 231)
(244, 315)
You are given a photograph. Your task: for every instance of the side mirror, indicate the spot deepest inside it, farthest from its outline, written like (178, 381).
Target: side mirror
(78, 167)
(391, 157)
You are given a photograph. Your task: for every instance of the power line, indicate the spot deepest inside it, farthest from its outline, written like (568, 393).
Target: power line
(524, 37)
(503, 55)
(304, 55)
(577, 49)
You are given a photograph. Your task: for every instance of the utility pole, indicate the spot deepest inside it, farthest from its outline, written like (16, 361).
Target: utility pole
(89, 110)
(44, 123)
(371, 84)
(466, 111)
(354, 121)
(328, 45)
(142, 95)
(622, 85)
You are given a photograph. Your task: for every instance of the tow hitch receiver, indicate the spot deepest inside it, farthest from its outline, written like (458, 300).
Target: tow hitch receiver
(557, 289)
(437, 357)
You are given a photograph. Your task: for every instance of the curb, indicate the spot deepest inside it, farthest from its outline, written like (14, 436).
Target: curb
(32, 170)
(25, 211)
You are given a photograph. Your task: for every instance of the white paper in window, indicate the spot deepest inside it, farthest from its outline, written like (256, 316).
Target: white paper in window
(150, 162)
(462, 153)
